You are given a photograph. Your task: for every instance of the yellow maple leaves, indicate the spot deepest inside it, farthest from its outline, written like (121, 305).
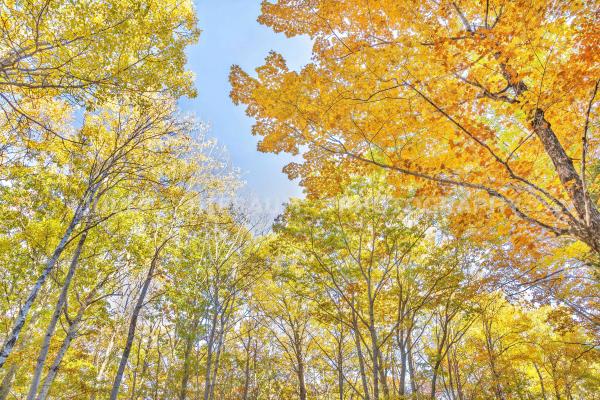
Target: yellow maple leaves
(446, 93)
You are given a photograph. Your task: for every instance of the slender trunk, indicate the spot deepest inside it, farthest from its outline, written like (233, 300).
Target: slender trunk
(137, 365)
(255, 387)
(7, 382)
(450, 376)
(489, 342)
(246, 374)
(157, 370)
(375, 351)
(301, 380)
(434, 379)
(220, 339)
(383, 376)
(459, 389)
(361, 361)
(53, 370)
(539, 374)
(133, 324)
(209, 356)
(102, 370)
(403, 357)
(555, 383)
(145, 361)
(411, 364)
(249, 349)
(60, 303)
(300, 365)
(340, 365)
(71, 333)
(189, 344)
(444, 326)
(497, 385)
(12, 338)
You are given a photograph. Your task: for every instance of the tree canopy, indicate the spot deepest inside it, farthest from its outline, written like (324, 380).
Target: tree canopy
(447, 246)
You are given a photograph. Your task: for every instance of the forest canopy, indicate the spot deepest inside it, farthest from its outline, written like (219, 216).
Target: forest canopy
(447, 245)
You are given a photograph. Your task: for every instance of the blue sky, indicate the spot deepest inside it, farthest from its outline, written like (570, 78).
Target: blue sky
(231, 35)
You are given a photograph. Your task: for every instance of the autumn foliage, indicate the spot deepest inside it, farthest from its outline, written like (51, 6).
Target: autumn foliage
(497, 98)
(447, 247)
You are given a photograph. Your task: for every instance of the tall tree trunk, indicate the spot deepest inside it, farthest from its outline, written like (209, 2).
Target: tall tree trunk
(209, 355)
(340, 364)
(137, 365)
(71, 333)
(60, 303)
(189, 345)
(489, 344)
(374, 350)
(146, 356)
(246, 377)
(102, 370)
(400, 339)
(457, 377)
(434, 380)
(301, 380)
(247, 347)
(539, 374)
(7, 381)
(450, 386)
(411, 365)
(186, 367)
(157, 370)
(220, 339)
(383, 376)
(12, 338)
(53, 370)
(133, 324)
(361, 360)
(300, 372)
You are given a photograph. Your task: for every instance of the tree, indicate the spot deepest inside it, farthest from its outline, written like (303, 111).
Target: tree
(124, 148)
(84, 53)
(285, 306)
(370, 273)
(440, 160)
(493, 98)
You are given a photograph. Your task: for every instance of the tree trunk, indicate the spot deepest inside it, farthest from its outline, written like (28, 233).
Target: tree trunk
(189, 344)
(434, 380)
(7, 382)
(375, 352)
(157, 370)
(71, 333)
(300, 364)
(137, 365)
(589, 216)
(539, 374)
(383, 376)
(220, 339)
(246, 377)
(361, 361)
(62, 299)
(301, 381)
(340, 364)
(12, 338)
(403, 359)
(209, 355)
(411, 368)
(102, 370)
(133, 324)
(53, 370)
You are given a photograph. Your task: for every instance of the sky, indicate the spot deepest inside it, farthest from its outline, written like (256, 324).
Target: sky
(231, 35)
